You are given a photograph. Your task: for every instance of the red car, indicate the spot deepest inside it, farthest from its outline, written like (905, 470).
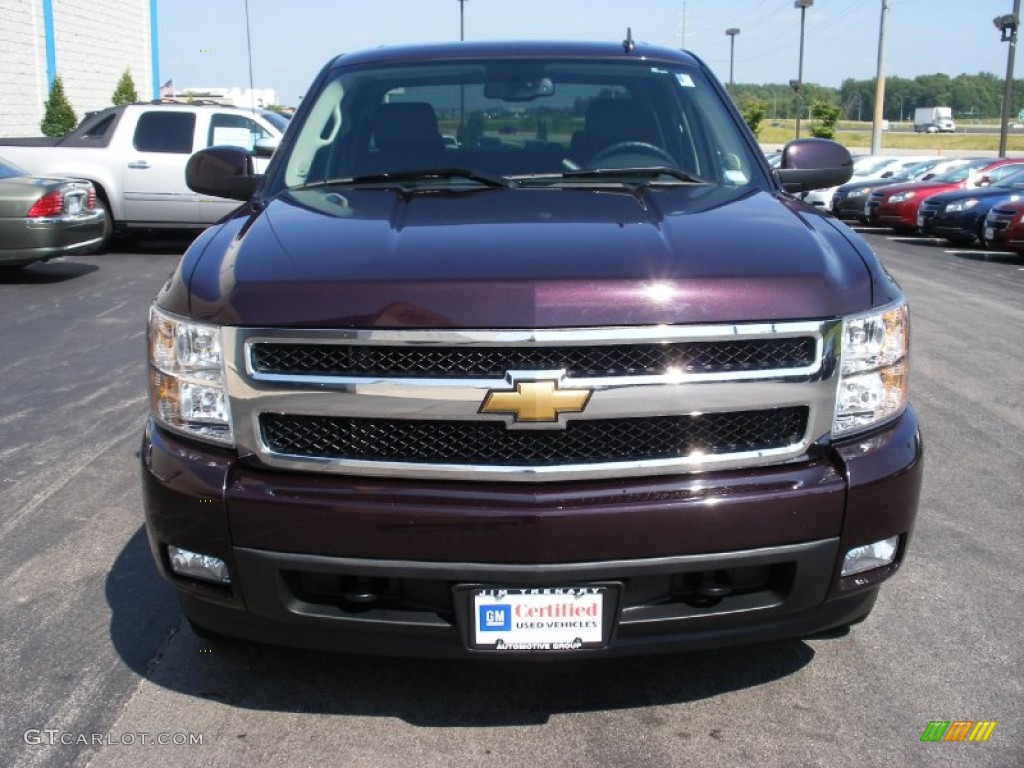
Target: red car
(1004, 226)
(896, 205)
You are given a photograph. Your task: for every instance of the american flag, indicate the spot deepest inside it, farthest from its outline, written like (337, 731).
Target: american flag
(167, 89)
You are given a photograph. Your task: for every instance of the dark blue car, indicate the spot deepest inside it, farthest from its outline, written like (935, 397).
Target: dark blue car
(959, 216)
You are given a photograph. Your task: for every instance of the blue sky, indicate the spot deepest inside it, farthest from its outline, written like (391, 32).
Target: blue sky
(202, 42)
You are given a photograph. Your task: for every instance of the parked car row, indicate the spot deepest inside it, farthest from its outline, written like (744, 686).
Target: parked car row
(897, 205)
(942, 197)
(864, 167)
(850, 200)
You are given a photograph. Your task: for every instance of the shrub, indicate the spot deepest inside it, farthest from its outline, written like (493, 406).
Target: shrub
(59, 117)
(825, 119)
(125, 92)
(753, 113)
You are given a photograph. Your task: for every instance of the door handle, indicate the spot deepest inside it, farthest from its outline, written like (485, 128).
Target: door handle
(139, 164)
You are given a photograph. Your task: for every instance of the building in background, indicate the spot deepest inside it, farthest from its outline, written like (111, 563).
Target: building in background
(235, 97)
(89, 43)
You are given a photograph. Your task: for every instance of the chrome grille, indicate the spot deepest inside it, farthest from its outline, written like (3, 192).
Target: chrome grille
(595, 361)
(411, 404)
(460, 442)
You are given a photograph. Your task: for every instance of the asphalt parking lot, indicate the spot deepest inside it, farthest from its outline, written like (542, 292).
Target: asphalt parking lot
(98, 666)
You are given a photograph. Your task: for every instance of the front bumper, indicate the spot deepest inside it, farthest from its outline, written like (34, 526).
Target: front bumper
(849, 207)
(299, 546)
(901, 216)
(963, 225)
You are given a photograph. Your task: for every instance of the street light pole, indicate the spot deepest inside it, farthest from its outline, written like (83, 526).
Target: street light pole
(731, 32)
(879, 114)
(803, 5)
(462, 19)
(1007, 25)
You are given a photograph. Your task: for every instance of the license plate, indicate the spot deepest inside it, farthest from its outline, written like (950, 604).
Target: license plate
(990, 233)
(920, 221)
(544, 619)
(73, 205)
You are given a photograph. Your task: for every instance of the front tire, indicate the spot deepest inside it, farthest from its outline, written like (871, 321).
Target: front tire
(981, 238)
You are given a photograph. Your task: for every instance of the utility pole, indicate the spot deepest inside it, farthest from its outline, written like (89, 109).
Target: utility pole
(684, 25)
(876, 123)
(731, 32)
(1008, 27)
(462, 19)
(799, 88)
(248, 50)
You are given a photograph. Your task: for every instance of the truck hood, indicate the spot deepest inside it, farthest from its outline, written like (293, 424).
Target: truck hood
(524, 258)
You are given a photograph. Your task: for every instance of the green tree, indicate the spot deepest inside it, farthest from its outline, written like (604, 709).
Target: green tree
(825, 118)
(754, 112)
(59, 117)
(125, 92)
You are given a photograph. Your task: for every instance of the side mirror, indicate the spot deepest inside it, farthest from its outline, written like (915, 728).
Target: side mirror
(814, 164)
(222, 172)
(266, 147)
(887, 174)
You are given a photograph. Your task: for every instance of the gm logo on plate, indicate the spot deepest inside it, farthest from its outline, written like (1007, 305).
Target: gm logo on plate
(495, 618)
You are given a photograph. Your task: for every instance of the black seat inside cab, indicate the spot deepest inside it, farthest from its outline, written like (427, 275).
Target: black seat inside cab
(613, 121)
(405, 138)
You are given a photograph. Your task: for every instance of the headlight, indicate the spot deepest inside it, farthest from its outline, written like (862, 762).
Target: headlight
(961, 205)
(873, 369)
(860, 192)
(901, 197)
(186, 377)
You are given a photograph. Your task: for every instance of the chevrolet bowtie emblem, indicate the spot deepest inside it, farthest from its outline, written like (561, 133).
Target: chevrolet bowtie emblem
(536, 401)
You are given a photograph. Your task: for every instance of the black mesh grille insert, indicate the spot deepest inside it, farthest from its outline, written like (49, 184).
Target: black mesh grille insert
(485, 362)
(490, 443)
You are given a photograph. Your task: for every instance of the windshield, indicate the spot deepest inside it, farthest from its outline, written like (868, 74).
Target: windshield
(276, 119)
(1013, 180)
(962, 172)
(529, 120)
(915, 171)
(912, 171)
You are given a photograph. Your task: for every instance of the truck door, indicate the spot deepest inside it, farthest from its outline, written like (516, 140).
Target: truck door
(154, 170)
(237, 131)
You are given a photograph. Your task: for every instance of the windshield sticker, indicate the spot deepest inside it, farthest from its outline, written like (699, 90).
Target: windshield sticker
(685, 80)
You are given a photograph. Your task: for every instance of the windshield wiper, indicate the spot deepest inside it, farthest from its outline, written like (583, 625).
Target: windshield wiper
(430, 174)
(644, 175)
(651, 173)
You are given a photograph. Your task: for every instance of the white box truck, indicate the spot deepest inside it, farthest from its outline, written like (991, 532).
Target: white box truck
(934, 120)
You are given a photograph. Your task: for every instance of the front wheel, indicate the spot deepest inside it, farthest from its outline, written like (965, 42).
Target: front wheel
(982, 241)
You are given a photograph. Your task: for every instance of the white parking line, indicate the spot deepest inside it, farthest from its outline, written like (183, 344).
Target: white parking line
(984, 255)
(978, 250)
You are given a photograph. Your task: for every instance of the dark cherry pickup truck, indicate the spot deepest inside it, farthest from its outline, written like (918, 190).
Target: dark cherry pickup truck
(523, 350)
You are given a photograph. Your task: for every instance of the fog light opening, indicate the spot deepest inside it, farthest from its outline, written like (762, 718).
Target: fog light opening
(194, 565)
(870, 556)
